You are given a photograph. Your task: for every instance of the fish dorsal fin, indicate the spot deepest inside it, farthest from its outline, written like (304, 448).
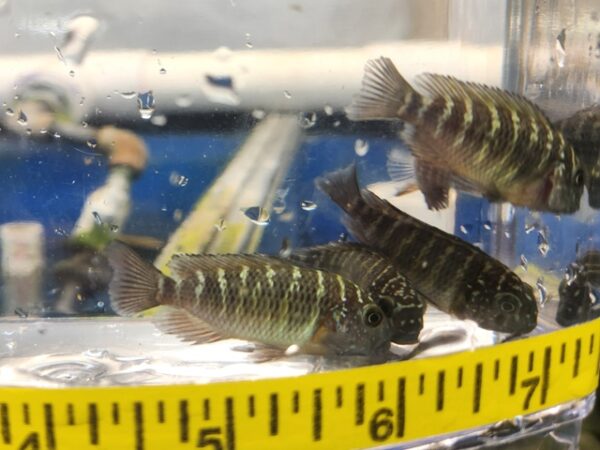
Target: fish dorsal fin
(185, 326)
(184, 266)
(447, 86)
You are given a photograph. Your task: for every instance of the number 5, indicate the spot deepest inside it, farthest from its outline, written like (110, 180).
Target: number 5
(210, 437)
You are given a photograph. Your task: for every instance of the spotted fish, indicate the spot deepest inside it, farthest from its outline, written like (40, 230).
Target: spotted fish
(475, 138)
(378, 276)
(578, 301)
(252, 297)
(457, 277)
(582, 130)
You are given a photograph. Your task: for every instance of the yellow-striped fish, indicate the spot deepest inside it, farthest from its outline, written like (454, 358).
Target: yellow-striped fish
(252, 297)
(474, 137)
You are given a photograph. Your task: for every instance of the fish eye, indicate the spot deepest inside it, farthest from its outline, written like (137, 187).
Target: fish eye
(373, 316)
(579, 178)
(507, 306)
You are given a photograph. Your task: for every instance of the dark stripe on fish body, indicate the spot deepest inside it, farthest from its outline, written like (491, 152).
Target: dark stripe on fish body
(434, 112)
(413, 107)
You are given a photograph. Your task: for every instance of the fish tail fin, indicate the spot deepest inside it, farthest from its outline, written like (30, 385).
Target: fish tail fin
(342, 187)
(135, 283)
(383, 92)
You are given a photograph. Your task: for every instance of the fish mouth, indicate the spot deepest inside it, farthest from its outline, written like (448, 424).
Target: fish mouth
(406, 339)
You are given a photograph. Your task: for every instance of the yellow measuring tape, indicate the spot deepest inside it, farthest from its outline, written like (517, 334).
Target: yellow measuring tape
(355, 408)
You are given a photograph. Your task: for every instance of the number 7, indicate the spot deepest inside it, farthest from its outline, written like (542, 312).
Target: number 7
(532, 384)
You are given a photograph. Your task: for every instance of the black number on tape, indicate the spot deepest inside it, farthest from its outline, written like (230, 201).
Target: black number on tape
(210, 437)
(531, 384)
(381, 426)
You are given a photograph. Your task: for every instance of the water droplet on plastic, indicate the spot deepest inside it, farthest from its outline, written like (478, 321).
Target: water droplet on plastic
(177, 179)
(159, 120)
(220, 89)
(9, 112)
(464, 229)
(529, 228)
(248, 42)
(507, 234)
(56, 135)
(259, 114)
(223, 53)
(97, 217)
(17, 35)
(286, 248)
(162, 71)
(336, 124)
(128, 95)
(177, 215)
(183, 101)
(114, 228)
(59, 54)
(146, 104)
(91, 143)
(307, 205)
(84, 124)
(328, 110)
(542, 243)
(524, 263)
(22, 120)
(279, 205)
(361, 147)
(21, 313)
(257, 215)
(542, 290)
(307, 120)
(61, 231)
(487, 225)
(81, 101)
(287, 94)
(220, 225)
(71, 73)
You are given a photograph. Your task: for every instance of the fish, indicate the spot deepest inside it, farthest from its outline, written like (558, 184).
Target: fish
(377, 275)
(251, 297)
(578, 291)
(582, 130)
(455, 276)
(474, 137)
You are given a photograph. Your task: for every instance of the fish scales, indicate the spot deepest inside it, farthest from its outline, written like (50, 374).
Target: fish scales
(253, 297)
(378, 276)
(467, 282)
(578, 291)
(479, 138)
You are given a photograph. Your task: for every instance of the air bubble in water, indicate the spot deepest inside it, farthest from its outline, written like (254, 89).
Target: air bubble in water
(71, 73)
(259, 114)
(308, 205)
(542, 290)
(128, 95)
(91, 143)
(178, 180)
(287, 94)
(162, 71)
(257, 215)
(464, 229)
(361, 147)
(248, 41)
(542, 243)
(9, 112)
(220, 225)
(159, 120)
(183, 101)
(307, 120)
(524, 263)
(22, 120)
(487, 225)
(97, 217)
(146, 104)
(21, 313)
(328, 110)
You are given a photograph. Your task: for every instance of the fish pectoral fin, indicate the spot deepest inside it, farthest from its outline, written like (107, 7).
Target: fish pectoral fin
(400, 165)
(185, 326)
(265, 353)
(434, 183)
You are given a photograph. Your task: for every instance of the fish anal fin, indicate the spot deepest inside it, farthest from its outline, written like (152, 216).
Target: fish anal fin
(434, 183)
(400, 165)
(185, 326)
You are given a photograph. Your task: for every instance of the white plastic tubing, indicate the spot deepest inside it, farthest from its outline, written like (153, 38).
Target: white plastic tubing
(284, 80)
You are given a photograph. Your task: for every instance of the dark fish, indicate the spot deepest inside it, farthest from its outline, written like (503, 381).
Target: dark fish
(578, 291)
(376, 275)
(252, 297)
(455, 276)
(582, 130)
(474, 137)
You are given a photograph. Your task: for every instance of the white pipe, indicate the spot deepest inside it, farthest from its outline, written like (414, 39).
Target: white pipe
(260, 78)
